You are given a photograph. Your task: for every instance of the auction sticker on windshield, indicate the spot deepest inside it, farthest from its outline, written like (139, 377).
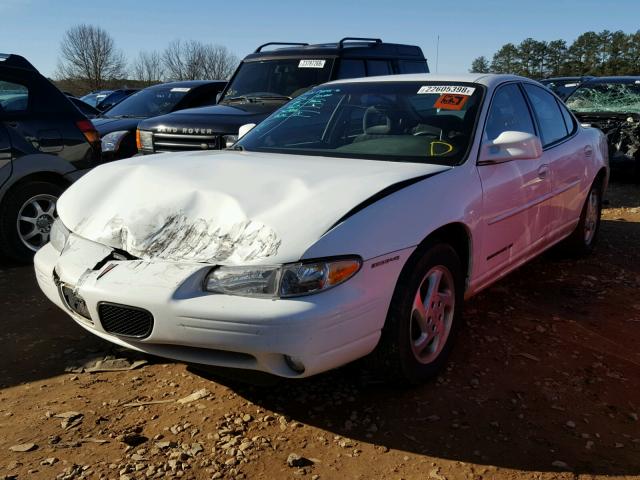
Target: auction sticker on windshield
(442, 89)
(450, 101)
(311, 63)
(180, 89)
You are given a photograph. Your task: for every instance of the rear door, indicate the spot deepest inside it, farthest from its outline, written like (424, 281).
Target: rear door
(5, 155)
(514, 192)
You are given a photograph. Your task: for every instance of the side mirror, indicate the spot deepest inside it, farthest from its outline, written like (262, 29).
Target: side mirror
(244, 129)
(509, 146)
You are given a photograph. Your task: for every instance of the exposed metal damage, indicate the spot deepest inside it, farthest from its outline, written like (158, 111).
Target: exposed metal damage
(622, 131)
(179, 237)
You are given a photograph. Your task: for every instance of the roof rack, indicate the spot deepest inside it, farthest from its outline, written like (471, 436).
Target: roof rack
(12, 60)
(259, 49)
(358, 39)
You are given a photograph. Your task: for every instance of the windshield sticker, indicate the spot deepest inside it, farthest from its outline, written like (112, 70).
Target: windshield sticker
(442, 89)
(311, 63)
(568, 85)
(180, 89)
(450, 101)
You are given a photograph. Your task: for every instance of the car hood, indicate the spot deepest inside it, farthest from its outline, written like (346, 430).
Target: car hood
(221, 119)
(225, 207)
(107, 125)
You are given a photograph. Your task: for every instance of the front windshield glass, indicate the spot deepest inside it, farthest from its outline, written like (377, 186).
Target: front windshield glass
(606, 97)
(280, 79)
(409, 122)
(149, 102)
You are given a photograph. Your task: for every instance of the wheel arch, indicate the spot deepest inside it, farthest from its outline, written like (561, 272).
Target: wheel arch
(458, 236)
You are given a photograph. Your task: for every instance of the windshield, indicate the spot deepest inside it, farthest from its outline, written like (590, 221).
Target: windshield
(149, 102)
(280, 79)
(94, 98)
(606, 97)
(409, 122)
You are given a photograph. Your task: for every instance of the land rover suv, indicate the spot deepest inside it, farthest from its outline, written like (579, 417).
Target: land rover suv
(45, 144)
(267, 79)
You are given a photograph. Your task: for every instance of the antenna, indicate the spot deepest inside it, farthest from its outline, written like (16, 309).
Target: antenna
(437, 52)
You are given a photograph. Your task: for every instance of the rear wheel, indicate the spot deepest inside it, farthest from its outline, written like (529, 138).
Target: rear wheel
(583, 239)
(423, 318)
(26, 216)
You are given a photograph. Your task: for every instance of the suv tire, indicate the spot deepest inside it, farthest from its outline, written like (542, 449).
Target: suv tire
(26, 215)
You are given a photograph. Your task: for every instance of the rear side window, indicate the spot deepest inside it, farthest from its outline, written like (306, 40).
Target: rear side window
(378, 67)
(509, 112)
(14, 97)
(409, 66)
(351, 69)
(569, 121)
(547, 111)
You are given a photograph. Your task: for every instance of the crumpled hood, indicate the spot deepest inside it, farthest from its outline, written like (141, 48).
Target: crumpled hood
(223, 207)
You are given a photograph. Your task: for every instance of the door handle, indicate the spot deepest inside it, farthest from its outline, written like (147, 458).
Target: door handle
(588, 151)
(543, 171)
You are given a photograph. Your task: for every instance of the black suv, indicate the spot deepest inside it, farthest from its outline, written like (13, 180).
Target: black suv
(45, 144)
(267, 79)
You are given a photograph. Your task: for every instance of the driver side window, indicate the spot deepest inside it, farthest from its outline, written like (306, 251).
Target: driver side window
(508, 112)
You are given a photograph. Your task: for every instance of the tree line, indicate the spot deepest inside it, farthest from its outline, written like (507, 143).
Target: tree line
(592, 53)
(89, 60)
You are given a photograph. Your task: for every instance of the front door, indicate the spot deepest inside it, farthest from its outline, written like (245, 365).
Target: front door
(514, 192)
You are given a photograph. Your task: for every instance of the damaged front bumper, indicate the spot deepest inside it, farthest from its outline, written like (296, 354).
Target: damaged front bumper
(287, 337)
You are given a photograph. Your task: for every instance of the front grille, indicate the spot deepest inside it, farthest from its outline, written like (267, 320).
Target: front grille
(174, 142)
(125, 321)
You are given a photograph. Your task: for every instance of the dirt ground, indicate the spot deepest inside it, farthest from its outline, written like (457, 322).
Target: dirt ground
(543, 384)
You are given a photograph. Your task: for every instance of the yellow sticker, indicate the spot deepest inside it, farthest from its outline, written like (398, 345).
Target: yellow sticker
(440, 148)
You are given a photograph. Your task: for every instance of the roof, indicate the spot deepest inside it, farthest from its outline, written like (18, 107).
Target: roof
(344, 48)
(620, 79)
(489, 80)
(15, 61)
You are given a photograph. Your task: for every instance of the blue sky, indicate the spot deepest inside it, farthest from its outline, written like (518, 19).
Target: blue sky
(466, 28)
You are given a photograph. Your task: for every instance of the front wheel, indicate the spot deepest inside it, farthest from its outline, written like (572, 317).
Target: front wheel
(423, 318)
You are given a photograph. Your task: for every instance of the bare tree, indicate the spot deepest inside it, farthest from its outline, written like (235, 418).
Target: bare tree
(195, 60)
(148, 68)
(88, 54)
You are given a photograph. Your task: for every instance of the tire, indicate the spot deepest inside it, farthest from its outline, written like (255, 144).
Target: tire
(33, 202)
(584, 238)
(410, 351)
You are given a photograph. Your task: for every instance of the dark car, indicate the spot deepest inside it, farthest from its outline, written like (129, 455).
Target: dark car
(563, 86)
(93, 98)
(267, 79)
(612, 104)
(117, 126)
(45, 144)
(114, 98)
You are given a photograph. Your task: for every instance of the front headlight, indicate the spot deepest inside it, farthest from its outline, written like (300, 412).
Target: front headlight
(229, 140)
(58, 235)
(144, 140)
(111, 141)
(282, 281)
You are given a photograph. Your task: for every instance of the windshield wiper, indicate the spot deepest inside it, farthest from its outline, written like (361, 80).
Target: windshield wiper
(272, 97)
(239, 98)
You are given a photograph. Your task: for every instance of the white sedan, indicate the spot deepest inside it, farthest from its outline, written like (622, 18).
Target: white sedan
(354, 220)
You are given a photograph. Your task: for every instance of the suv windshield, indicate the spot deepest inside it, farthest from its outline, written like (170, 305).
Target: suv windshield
(606, 97)
(149, 102)
(280, 79)
(409, 122)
